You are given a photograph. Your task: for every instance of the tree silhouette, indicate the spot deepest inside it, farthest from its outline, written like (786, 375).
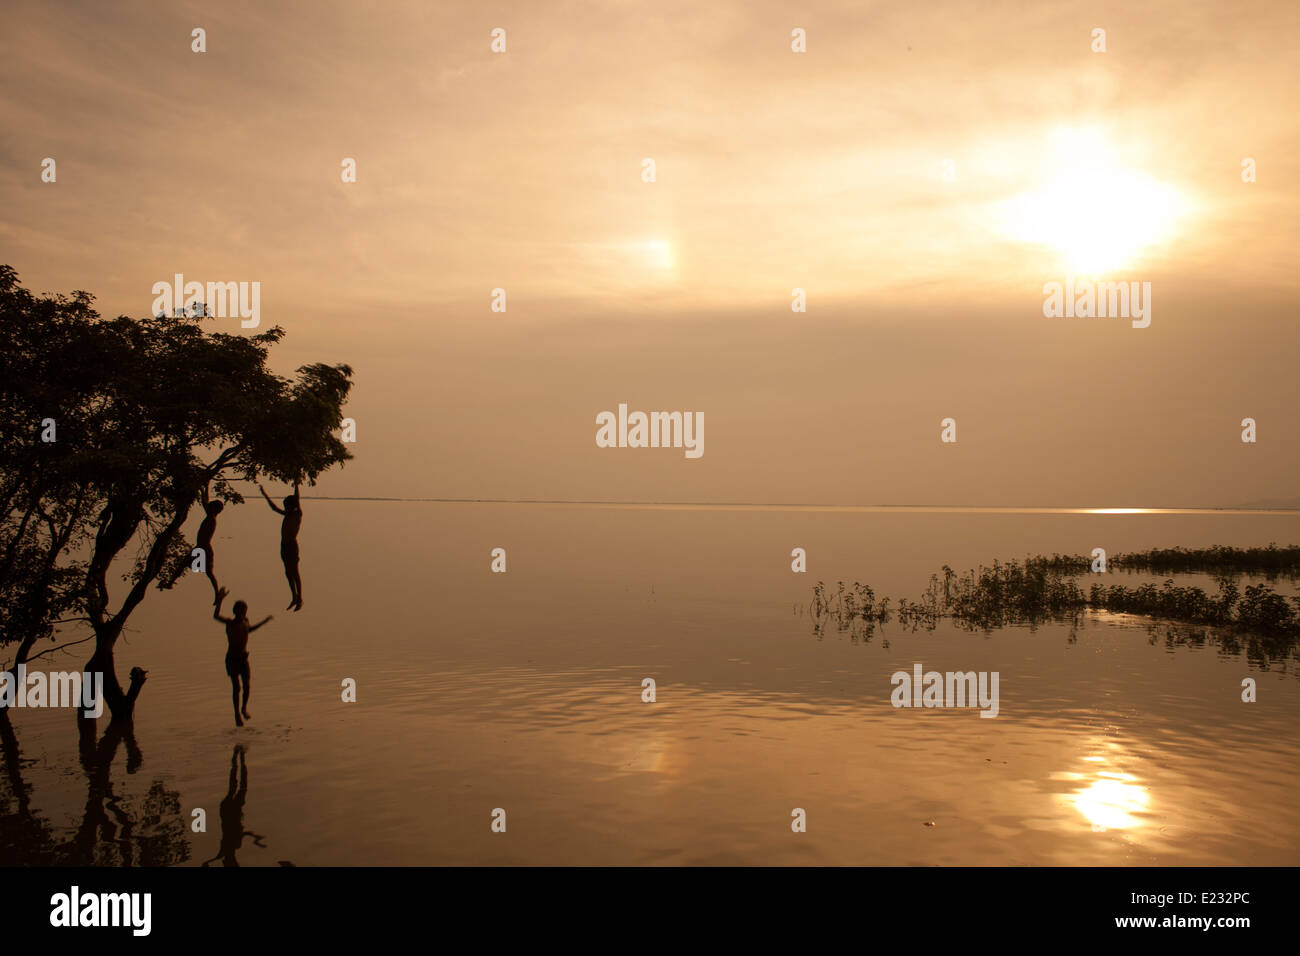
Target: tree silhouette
(115, 829)
(109, 432)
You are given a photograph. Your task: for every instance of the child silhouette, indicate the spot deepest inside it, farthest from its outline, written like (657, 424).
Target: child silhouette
(204, 540)
(237, 631)
(292, 512)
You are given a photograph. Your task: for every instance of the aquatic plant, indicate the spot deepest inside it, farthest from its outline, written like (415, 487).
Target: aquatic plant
(1271, 561)
(1041, 588)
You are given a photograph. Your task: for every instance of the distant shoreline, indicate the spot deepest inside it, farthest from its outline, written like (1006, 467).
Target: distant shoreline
(792, 506)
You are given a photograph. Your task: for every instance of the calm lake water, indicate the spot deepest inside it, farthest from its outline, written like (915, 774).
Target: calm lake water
(522, 691)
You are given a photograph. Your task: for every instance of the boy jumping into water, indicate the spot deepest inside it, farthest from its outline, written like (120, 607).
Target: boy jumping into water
(237, 631)
(204, 540)
(292, 512)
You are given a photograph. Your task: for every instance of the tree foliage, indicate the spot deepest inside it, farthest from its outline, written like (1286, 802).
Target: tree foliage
(144, 414)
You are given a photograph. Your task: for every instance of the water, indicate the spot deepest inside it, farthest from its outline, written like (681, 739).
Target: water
(522, 691)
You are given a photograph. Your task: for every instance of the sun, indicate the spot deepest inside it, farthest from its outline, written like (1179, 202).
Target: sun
(1098, 214)
(657, 254)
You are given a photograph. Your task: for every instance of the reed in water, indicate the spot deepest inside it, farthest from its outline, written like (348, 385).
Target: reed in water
(1042, 588)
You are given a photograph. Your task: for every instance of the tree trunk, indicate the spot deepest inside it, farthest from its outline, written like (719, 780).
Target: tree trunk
(121, 704)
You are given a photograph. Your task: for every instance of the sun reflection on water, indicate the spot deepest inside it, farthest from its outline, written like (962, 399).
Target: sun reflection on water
(1113, 801)
(1108, 798)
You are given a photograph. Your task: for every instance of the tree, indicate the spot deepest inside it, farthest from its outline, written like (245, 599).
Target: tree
(109, 432)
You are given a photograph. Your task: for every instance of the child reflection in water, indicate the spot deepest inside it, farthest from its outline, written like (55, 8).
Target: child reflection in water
(232, 813)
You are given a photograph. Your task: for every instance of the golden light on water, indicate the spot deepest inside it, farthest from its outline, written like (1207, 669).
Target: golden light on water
(1112, 800)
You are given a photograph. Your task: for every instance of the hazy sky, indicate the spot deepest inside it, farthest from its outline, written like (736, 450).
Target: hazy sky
(822, 170)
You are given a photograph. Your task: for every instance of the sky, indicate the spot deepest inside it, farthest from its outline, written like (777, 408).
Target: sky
(921, 172)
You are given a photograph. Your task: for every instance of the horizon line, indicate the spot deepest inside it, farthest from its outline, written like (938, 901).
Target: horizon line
(805, 506)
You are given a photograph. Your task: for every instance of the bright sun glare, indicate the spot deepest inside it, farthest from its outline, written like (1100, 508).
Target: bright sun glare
(657, 253)
(1114, 801)
(1098, 214)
